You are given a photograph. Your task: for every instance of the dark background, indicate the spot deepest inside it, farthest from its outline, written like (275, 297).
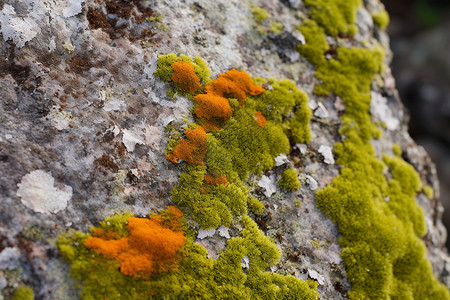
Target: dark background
(420, 39)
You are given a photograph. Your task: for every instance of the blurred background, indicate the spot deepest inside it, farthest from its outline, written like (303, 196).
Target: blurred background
(420, 39)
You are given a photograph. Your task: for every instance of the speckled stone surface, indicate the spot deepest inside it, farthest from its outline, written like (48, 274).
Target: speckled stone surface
(83, 121)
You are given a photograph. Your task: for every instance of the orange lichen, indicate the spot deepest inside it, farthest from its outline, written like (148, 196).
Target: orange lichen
(260, 120)
(192, 149)
(210, 105)
(216, 180)
(234, 84)
(151, 247)
(184, 75)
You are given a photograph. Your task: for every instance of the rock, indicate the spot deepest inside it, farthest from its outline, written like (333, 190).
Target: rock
(87, 125)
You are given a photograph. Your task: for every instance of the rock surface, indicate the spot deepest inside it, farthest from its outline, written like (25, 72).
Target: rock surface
(83, 129)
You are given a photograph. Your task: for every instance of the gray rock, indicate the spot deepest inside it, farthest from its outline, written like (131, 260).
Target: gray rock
(82, 112)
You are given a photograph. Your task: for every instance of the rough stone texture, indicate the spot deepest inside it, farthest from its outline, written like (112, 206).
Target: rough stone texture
(78, 101)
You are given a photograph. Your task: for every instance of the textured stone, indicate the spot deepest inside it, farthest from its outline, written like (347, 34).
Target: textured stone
(83, 122)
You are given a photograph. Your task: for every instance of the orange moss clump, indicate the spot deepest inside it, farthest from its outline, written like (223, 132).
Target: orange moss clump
(184, 75)
(208, 126)
(216, 180)
(260, 120)
(192, 149)
(210, 105)
(234, 84)
(151, 246)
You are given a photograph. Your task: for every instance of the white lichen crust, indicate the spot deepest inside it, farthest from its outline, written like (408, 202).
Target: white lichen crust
(37, 192)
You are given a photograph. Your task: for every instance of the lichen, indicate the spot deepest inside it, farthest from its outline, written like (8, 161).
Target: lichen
(378, 218)
(289, 180)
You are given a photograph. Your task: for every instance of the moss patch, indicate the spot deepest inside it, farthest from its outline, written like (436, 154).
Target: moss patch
(217, 153)
(259, 129)
(165, 72)
(259, 14)
(196, 277)
(379, 220)
(381, 19)
(428, 190)
(336, 17)
(349, 75)
(289, 180)
(23, 292)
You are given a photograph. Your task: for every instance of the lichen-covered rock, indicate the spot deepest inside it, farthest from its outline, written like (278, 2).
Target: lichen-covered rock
(273, 127)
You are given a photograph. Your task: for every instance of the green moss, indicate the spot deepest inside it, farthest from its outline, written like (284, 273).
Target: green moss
(164, 70)
(202, 70)
(397, 150)
(289, 180)
(378, 218)
(251, 148)
(23, 293)
(428, 190)
(255, 205)
(298, 203)
(116, 224)
(349, 75)
(156, 18)
(197, 276)
(276, 27)
(381, 19)
(316, 44)
(241, 147)
(337, 16)
(316, 244)
(259, 14)
(287, 107)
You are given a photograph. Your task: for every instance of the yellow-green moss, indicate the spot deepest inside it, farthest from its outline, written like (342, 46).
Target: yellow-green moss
(164, 70)
(276, 27)
(285, 106)
(259, 14)
(381, 19)
(396, 149)
(197, 276)
(23, 292)
(289, 180)
(337, 16)
(428, 190)
(316, 244)
(379, 220)
(241, 146)
(348, 75)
